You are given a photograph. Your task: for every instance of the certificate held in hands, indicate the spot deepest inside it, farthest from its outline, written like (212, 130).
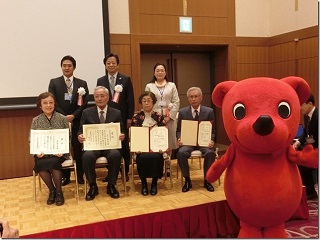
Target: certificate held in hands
(54, 141)
(101, 136)
(145, 139)
(196, 133)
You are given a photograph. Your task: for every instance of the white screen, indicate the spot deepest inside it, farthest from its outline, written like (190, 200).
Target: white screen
(36, 34)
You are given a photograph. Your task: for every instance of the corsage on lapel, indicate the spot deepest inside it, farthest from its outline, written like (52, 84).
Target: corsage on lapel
(117, 91)
(81, 92)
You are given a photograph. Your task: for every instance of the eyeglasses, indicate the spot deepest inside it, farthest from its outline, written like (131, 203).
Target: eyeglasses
(146, 101)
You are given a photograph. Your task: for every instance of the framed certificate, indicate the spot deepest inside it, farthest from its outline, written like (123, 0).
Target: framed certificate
(101, 136)
(196, 133)
(145, 139)
(53, 141)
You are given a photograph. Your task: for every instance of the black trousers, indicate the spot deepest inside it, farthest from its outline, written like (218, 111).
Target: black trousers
(307, 179)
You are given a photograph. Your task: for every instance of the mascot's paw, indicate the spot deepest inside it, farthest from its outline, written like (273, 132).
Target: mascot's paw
(218, 167)
(308, 157)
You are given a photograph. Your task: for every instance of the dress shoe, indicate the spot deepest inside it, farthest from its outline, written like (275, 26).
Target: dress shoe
(92, 193)
(187, 185)
(112, 191)
(65, 181)
(106, 178)
(52, 197)
(144, 189)
(59, 199)
(80, 180)
(208, 186)
(153, 190)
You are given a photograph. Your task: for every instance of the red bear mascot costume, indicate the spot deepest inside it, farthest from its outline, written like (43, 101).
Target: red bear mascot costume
(262, 182)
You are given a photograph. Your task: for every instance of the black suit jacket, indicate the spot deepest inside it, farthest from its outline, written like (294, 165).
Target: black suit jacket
(91, 116)
(58, 88)
(126, 101)
(313, 129)
(206, 114)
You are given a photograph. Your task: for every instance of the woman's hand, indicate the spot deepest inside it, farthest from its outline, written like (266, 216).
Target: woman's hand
(40, 155)
(59, 155)
(167, 119)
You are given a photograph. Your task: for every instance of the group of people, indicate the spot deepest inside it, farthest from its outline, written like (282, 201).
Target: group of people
(66, 103)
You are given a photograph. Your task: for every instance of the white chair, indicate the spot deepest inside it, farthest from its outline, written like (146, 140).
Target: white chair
(67, 164)
(102, 162)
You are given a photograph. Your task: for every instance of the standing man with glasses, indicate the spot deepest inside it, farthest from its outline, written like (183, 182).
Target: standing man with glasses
(121, 98)
(310, 135)
(195, 112)
(71, 96)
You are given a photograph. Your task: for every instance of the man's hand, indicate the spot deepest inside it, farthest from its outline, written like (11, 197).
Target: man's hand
(70, 118)
(8, 232)
(122, 137)
(81, 138)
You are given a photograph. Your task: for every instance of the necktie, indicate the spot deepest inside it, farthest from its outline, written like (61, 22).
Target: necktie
(102, 120)
(68, 82)
(196, 117)
(112, 84)
(307, 125)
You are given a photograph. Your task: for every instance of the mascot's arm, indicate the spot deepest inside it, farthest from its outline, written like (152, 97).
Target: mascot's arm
(308, 157)
(218, 167)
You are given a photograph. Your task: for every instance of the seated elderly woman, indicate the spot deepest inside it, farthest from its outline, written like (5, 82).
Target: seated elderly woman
(49, 166)
(149, 165)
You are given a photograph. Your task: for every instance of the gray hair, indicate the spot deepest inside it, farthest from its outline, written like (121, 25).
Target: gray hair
(101, 87)
(194, 88)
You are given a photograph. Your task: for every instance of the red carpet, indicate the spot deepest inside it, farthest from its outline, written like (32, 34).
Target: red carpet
(209, 220)
(305, 228)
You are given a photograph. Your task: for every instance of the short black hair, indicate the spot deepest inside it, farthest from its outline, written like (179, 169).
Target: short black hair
(310, 99)
(109, 56)
(150, 94)
(70, 58)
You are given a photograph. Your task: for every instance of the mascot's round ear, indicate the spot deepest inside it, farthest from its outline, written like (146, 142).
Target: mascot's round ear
(300, 86)
(220, 91)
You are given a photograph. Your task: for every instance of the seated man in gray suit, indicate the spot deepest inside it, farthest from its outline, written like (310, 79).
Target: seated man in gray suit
(195, 112)
(101, 113)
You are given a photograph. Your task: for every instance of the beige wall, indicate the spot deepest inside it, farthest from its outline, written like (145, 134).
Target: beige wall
(254, 18)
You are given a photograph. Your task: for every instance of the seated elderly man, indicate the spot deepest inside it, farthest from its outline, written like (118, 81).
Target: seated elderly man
(195, 112)
(101, 113)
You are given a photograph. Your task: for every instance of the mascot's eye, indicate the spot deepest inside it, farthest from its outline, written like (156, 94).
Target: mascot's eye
(239, 111)
(284, 110)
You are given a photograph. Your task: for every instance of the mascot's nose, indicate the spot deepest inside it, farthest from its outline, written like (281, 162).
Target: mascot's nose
(263, 125)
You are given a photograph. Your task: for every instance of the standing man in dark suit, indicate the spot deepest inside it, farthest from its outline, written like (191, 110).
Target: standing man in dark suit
(71, 96)
(101, 113)
(195, 112)
(310, 135)
(121, 98)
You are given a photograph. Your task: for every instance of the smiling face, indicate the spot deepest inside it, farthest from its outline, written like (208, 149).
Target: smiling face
(47, 105)
(261, 115)
(67, 68)
(160, 72)
(112, 65)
